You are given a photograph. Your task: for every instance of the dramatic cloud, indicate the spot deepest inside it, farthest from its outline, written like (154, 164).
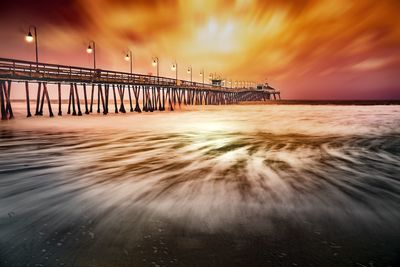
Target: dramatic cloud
(310, 49)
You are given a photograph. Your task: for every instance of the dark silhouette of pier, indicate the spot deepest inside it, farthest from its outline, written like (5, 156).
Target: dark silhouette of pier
(145, 92)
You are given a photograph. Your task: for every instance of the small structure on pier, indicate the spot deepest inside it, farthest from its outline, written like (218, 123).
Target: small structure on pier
(265, 87)
(216, 82)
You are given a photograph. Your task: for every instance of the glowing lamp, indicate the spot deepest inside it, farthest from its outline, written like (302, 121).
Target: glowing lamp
(29, 37)
(89, 49)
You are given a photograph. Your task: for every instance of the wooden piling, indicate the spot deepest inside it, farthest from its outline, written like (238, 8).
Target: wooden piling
(150, 98)
(163, 99)
(69, 99)
(91, 99)
(42, 100)
(2, 102)
(115, 99)
(46, 94)
(130, 99)
(154, 97)
(121, 92)
(28, 103)
(105, 109)
(59, 100)
(171, 108)
(78, 102)
(106, 94)
(38, 99)
(85, 96)
(98, 98)
(9, 110)
(136, 92)
(144, 99)
(73, 100)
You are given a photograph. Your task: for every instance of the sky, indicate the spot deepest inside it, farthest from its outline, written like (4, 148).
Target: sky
(325, 49)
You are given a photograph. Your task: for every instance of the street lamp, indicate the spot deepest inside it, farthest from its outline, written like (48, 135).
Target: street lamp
(189, 70)
(92, 49)
(129, 57)
(29, 38)
(202, 75)
(174, 67)
(211, 77)
(156, 63)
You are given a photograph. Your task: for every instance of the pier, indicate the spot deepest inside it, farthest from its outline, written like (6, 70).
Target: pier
(94, 90)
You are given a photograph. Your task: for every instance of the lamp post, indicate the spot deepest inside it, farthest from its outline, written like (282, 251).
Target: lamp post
(202, 75)
(29, 38)
(91, 49)
(129, 58)
(211, 77)
(174, 67)
(189, 70)
(156, 63)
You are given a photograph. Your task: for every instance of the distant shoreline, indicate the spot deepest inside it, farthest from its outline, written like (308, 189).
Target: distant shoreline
(326, 102)
(279, 102)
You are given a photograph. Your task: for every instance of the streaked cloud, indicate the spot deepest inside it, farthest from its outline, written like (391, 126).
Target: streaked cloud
(295, 45)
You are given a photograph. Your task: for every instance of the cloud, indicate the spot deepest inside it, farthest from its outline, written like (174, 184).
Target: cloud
(252, 40)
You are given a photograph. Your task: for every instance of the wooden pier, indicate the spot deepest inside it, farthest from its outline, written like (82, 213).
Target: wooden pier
(102, 88)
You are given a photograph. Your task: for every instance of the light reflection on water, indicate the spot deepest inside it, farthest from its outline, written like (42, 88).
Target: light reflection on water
(213, 171)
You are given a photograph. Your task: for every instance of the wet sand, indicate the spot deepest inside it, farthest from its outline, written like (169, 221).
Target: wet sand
(214, 186)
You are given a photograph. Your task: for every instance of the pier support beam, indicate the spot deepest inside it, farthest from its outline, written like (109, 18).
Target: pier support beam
(28, 102)
(136, 91)
(115, 99)
(59, 100)
(78, 102)
(38, 99)
(121, 92)
(5, 100)
(91, 99)
(45, 94)
(106, 94)
(85, 96)
(130, 99)
(48, 100)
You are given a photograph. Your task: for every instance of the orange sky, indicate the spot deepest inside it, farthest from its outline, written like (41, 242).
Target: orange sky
(339, 49)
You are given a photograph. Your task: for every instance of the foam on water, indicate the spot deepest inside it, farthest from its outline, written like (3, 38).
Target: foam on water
(211, 169)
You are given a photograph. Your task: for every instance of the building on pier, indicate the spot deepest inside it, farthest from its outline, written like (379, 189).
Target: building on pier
(271, 92)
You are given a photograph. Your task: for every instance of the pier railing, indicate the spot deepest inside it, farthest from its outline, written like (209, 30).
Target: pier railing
(28, 70)
(155, 93)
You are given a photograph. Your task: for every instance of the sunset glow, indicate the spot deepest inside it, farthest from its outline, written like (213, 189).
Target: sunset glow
(308, 49)
(199, 133)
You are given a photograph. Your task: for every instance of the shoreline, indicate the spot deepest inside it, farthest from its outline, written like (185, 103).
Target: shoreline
(325, 102)
(274, 102)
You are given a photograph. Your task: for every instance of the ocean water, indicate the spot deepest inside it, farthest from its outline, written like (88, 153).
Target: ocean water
(251, 185)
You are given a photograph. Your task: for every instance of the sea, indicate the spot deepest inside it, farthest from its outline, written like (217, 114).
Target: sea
(239, 185)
